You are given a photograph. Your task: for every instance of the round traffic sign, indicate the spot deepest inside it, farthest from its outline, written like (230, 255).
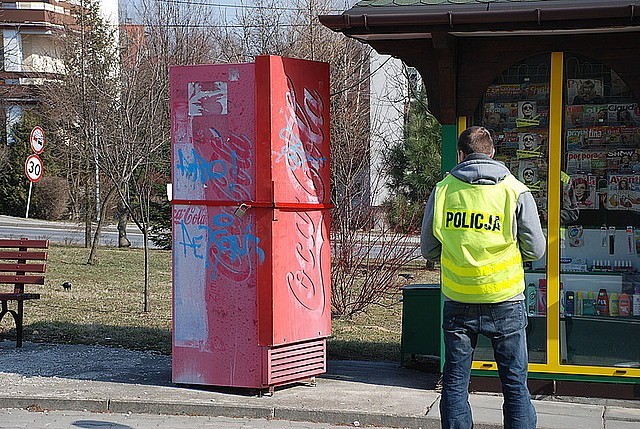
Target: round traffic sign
(33, 168)
(37, 139)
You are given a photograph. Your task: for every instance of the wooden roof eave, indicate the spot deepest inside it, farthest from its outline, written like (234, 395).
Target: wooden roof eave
(427, 41)
(365, 25)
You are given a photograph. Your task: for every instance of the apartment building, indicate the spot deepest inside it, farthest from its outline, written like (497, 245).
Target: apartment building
(30, 30)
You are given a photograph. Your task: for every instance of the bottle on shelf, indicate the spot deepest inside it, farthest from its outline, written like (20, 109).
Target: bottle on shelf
(569, 308)
(614, 304)
(579, 301)
(624, 305)
(589, 304)
(532, 299)
(635, 301)
(542, 296)
(602, 303)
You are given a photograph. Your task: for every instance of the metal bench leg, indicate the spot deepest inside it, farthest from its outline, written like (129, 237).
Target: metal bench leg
(4, 311)
(18, 318)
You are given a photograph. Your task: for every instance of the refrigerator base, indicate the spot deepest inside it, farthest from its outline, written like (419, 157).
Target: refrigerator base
(279, 365)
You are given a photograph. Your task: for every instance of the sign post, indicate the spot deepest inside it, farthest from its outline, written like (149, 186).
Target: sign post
(33, 168)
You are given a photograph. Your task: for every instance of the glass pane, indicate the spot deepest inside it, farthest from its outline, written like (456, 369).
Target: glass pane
(516, 109)
(600, 315)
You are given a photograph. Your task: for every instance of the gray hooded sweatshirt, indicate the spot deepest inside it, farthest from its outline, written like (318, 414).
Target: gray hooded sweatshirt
(480, 169)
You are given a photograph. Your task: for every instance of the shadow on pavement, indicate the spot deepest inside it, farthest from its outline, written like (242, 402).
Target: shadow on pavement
(83, 362)
(92, 424)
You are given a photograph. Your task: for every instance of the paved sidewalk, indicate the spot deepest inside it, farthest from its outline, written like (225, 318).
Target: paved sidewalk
(102, 379)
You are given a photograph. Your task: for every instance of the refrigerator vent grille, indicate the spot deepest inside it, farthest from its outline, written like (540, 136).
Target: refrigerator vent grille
(297, 361)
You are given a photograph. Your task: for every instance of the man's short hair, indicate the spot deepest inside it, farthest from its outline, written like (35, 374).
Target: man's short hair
(475, 140)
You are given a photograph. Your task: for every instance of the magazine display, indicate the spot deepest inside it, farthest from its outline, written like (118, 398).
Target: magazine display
(518, 116)
(602, 143)
(623, 192)
(601, 138)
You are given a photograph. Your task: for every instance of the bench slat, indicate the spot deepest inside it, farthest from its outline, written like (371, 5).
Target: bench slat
(20, 279)
(24, 242)
(18, 296)
(25, 268)
(39, 256)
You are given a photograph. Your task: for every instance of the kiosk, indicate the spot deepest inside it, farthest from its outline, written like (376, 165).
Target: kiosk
(558, 83)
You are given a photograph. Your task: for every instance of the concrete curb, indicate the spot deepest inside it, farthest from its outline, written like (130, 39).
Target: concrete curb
(43, 403)
(349, 418)
(330, 417)
(190, 408)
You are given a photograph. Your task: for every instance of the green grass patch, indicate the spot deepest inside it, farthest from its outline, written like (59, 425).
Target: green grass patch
(105, 307)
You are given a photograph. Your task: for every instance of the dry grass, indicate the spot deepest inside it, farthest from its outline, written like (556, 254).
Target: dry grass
(104, 306)
(375, 335)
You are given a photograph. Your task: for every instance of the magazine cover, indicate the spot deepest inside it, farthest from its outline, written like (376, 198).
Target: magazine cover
(584, 186)
(531, 145)
(584, 91)
(630, 136)
(573, 116)
(623, 192)
(576, 138)
(500, 116)
(506, 144)
(587, 161)
(595, 115)
(619, 161)
(586, 115)
(531, 174)
(504, 92)
(506, 139)
(624, 115)
(595, 136)
(509, 92)
(527, 114)
(535, 91)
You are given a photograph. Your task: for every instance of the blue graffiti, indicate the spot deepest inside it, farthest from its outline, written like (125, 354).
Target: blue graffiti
(190, 243)
(226, 247)
(199, 169)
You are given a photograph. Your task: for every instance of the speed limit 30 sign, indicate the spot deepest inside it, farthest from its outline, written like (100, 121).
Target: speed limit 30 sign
(33, 168)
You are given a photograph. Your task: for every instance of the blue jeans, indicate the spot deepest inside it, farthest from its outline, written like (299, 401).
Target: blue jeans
(504, 324)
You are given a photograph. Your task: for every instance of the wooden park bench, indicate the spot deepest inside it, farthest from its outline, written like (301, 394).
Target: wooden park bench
(17, 270)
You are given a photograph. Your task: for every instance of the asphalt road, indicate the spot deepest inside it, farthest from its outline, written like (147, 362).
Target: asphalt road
(18, 418)
(69, 233)
(72, 233)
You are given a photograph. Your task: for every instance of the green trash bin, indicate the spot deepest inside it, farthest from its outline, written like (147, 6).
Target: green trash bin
(421, 321)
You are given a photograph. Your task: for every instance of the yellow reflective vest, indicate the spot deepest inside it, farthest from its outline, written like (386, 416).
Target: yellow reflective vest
(480, 259)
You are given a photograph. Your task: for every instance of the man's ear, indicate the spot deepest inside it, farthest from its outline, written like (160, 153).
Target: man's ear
(493, 152)
(461, 156)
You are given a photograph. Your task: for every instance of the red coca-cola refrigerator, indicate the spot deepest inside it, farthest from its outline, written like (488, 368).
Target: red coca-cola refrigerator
(250, 209)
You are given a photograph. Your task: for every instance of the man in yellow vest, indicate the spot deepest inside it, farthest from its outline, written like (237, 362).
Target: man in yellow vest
(483, 223)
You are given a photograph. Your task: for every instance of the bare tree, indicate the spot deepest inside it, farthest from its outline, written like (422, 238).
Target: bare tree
(80, 107)
(170, 34)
